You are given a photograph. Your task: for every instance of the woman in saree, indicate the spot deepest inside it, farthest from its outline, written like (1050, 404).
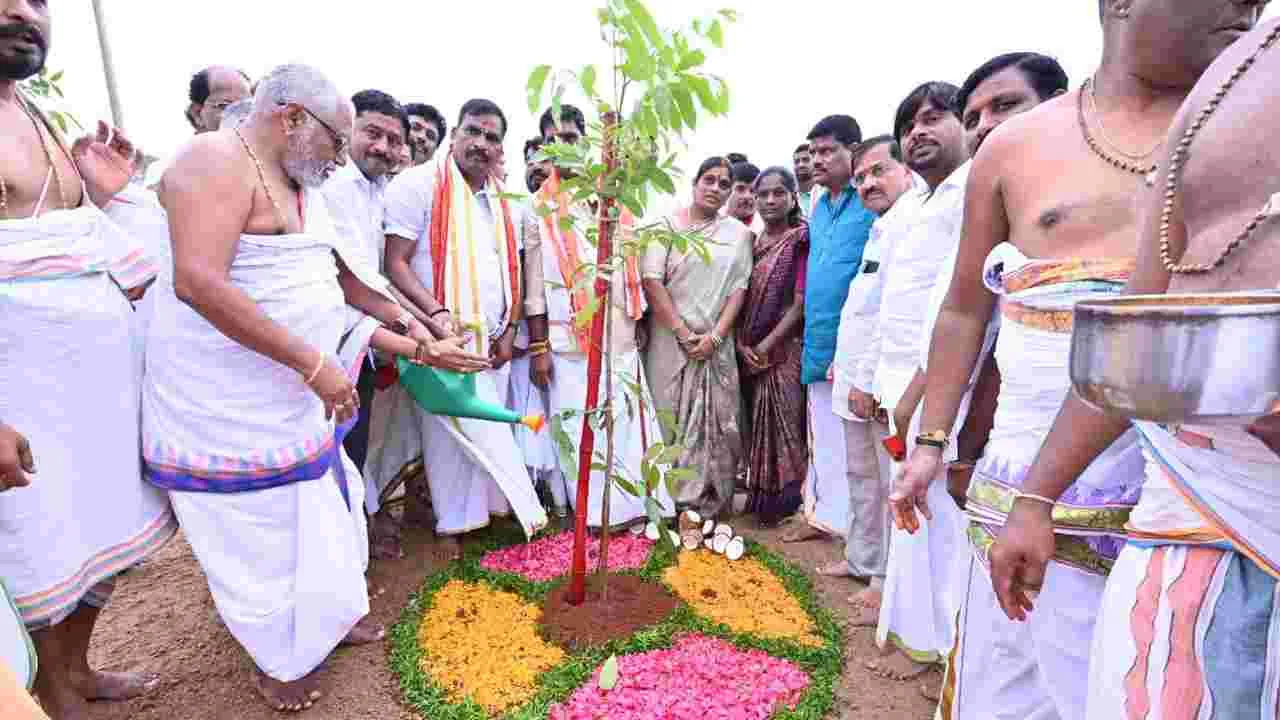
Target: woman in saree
(691, 361)
(769, 339)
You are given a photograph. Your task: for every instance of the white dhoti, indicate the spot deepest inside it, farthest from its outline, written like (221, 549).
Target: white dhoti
(826, 487)
(475, 469)
(635, 426)
(926, 570)
(284, 566)
(69, 382)
(255, 470)
(138, 212)
(537, 448)
(1034, 670)
(1045, 675)
(395, 440)
(923, 580)
(1189, 625)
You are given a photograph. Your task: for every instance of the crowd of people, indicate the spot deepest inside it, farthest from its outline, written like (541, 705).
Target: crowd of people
(873, 349)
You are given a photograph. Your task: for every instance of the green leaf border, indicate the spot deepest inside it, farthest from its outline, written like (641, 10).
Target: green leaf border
(824, 664)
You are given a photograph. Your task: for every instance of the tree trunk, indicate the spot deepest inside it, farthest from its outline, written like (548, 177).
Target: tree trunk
(586, 448)
(608, 455)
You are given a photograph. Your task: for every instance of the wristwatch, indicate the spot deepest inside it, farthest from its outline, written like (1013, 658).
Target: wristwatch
(938, 438)
(400, 325)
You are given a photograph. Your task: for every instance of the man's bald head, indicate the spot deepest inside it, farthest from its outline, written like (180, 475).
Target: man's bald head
(210, 92)
(301, 112)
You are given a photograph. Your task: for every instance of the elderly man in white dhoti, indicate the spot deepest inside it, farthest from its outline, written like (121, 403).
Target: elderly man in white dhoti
(559, 358)
(244, 380)
(454, 249)
(68, 379)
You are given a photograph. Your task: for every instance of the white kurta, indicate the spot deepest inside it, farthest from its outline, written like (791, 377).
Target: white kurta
(927, 569)
(69, 382)
(474, 468)
(634, 427)
(356, 204)
(867, 461)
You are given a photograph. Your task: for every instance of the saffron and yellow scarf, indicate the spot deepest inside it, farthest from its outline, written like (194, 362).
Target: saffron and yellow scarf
(569, 255)
(453, 236)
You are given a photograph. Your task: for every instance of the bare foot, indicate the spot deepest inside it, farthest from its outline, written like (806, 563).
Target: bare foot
(365, 632)
(65, 704)
(835, 568)
(454, 548)
(96, 685)
(286, 697)
(932, 691)
(384, 537)
(865, 616)
(897, 666)
(804, 533)
(867, 597)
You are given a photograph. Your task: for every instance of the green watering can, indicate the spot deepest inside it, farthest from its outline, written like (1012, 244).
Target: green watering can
(453, 394)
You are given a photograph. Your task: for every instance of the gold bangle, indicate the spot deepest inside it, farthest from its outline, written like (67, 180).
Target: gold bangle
(1020, 495)
(316, 373)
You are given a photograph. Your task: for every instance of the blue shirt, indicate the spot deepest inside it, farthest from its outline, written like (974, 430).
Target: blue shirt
(838, 232)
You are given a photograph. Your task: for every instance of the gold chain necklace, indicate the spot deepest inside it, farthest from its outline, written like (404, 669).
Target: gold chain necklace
(1178, 161)
(1148, 172)
(1102, 128)
(48, 155)
(284, 224)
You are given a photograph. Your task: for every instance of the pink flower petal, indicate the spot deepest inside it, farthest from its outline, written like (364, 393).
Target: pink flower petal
(698, 678)
(552, 556)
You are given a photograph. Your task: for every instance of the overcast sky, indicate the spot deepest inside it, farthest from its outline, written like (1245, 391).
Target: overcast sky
(788, 62)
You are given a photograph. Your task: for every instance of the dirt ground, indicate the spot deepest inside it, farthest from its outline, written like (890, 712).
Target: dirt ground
(162, 619)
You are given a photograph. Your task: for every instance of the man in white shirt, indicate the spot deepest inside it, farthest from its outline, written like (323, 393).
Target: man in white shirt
(1001, 88)
(802, 165)
(913, 614)
(889, 189)
(354, 196)
(454, 249)
(426, 131)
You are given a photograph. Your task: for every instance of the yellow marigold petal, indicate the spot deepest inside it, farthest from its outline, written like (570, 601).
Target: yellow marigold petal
(743, 595)
(483, 643)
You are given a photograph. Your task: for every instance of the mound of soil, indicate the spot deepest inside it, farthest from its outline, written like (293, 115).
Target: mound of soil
(633, 605)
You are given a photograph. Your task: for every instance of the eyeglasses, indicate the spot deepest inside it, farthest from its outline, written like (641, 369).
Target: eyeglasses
(339, 142)
(474, 131)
